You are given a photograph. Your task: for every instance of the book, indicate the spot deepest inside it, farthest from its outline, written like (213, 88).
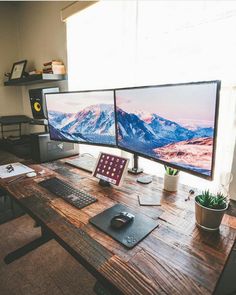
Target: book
(58, 69)
(48, 67)
(48, 71)
(53, 62)
(55, 69)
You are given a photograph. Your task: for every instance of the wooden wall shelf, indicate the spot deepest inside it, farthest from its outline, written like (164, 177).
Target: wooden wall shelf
(33, 79)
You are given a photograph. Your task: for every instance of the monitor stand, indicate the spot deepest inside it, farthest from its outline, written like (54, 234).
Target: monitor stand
(104, 183)
(135, 169)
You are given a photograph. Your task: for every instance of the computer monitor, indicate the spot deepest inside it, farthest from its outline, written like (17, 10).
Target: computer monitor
(82, 117)
(173, 124)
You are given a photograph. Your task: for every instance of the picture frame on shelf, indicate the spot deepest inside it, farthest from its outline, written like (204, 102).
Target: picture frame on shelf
(18, 70)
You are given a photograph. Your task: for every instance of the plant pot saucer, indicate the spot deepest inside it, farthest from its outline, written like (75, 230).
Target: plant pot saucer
(207, 228)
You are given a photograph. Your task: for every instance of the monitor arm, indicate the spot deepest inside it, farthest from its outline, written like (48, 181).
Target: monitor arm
(135, 169)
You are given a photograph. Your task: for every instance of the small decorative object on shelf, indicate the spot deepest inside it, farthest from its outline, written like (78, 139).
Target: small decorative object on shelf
(210, 209)
(18, 70)
(35, 72)
(171, 179)
(6, 76)
(54, 67)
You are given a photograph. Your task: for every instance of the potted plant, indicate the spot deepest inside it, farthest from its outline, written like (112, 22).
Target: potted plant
(171, 179)
(210, 209)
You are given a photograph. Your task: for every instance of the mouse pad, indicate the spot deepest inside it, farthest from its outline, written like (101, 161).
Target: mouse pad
(129, 235)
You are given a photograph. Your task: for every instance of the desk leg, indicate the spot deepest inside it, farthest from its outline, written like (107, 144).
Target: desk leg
(20, 252)
(20, 129)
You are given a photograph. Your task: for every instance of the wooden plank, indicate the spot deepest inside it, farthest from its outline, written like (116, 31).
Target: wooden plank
(39, 208)
(128, 278)
(187, 263)
(196, 247)
(80, 242)
(110, 244)
(168, 279)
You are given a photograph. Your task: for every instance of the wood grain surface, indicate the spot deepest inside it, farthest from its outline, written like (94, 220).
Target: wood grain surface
(176, 258)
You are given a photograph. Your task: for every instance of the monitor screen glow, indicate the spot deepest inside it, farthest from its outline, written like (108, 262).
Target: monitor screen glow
(82, 117)
(172, 124)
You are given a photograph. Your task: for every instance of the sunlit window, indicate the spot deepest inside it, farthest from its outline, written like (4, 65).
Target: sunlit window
(116, 44)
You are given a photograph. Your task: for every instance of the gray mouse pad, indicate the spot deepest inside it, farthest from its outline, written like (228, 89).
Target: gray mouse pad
(129, 235)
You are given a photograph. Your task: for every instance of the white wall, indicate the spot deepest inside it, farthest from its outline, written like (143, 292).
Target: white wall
(42, 37)
(232, 187)
(33, 31)
(10, 97)
(42, 33)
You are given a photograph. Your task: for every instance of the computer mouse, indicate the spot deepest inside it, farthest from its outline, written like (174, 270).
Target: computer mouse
(122, 219)
(31, 174)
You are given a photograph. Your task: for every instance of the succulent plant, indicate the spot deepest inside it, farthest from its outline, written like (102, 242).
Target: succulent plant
(171, 171)
(209, 200)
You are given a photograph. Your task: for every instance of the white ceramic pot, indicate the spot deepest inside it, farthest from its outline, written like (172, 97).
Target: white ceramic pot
(171, 182)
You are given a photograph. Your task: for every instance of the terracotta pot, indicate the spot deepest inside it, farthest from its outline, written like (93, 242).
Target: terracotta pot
(208, 218)
(171, 182)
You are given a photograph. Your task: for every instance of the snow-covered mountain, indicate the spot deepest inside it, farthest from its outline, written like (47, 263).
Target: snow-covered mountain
(131, 126)
(194, 154)
(95, 120)
(204, 132)
(58, 119)
(154, 129)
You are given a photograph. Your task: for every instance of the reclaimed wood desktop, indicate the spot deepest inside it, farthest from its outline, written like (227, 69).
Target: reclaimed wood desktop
(176, 258)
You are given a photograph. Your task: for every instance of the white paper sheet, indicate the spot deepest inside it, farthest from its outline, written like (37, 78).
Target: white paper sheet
(18, 170)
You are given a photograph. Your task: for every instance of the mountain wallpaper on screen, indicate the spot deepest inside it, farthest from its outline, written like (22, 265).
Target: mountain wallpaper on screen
(94, 123)
(166, 140)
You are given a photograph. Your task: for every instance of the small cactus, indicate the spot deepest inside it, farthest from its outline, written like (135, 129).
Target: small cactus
(209, 200)
(171, 171)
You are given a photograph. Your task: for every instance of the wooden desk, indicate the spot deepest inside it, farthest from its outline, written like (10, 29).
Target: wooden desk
(176, 258)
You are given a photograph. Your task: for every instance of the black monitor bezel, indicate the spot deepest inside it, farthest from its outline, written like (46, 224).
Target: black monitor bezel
(195, 173)
(82, 142)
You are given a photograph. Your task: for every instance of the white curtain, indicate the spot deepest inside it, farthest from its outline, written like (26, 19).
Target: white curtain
(126, 43)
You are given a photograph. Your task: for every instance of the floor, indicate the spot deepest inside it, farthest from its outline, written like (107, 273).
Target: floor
(39, 272)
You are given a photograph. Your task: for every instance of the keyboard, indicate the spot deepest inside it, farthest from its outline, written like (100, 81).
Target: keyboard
(84, 162)
(74, 196)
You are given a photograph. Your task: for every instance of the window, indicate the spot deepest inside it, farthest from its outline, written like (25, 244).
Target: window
(100, 45)
(115, 44)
